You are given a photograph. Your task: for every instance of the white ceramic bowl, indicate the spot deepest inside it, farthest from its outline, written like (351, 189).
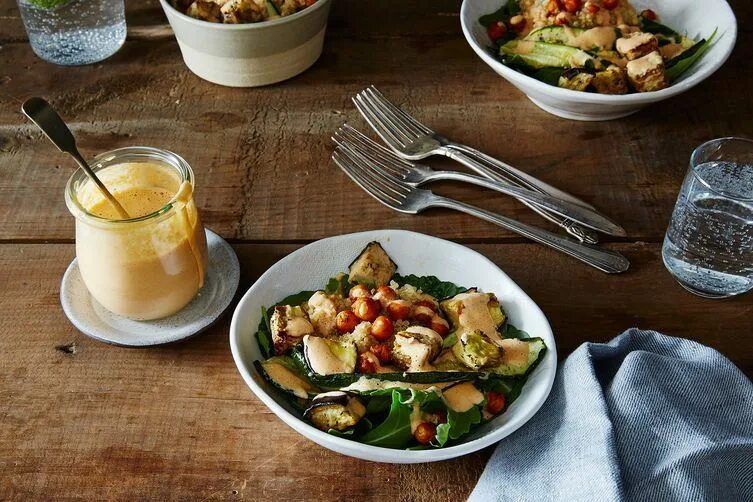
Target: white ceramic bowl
(311, 266)
(697, 19)
(253, 54)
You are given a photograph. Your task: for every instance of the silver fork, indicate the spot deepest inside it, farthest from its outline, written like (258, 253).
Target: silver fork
(414, 141)
(374, 173)
(417, 175)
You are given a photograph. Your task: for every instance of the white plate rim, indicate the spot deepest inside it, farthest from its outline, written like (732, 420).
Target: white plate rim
(374, 453)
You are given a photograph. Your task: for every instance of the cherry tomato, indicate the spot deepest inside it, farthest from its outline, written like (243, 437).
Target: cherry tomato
(649, 14)
(495, 402)
(425, 433)
(610, 4)
(573, 6)
(367, 309)
(439, 325)
(517, 23)
(496, 31)
(346, 321)
(398, 310)
(553, 7)
(592, 7)
(366, 364)
(359, 291)
(383, 352)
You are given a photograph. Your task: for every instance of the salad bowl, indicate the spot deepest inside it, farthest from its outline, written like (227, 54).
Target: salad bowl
(310, 267)
(685, 16)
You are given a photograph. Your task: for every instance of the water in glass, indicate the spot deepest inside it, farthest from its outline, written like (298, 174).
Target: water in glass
(74, 32)
(708, 247)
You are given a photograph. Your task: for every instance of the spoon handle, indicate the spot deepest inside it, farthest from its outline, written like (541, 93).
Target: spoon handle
(49, 122)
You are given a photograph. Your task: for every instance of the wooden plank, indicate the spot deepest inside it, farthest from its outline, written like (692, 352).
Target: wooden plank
(177, 422)
(259, 154)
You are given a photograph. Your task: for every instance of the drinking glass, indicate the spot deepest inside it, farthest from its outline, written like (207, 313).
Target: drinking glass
(74, 32)
(708, 247)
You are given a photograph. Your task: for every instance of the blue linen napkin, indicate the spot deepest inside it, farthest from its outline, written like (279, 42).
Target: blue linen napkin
(643, 417)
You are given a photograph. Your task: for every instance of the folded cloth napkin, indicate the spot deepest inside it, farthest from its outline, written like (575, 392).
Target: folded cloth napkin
(643, 417)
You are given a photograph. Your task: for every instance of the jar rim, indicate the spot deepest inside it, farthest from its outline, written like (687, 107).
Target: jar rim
(121, 155)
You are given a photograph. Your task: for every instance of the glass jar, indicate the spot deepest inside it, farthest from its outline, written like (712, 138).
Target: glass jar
(149, 266)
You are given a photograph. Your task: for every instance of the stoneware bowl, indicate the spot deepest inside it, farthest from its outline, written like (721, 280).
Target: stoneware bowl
(310, 267)
(696, 19)
(254, 54)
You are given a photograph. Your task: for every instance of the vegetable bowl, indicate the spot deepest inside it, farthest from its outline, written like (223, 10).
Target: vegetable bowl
(600, 59)
(471, 360)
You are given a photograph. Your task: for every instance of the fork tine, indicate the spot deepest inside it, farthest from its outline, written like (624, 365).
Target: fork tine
(367, 167)
(376, 122)
(345, 164)
(407, 116)
(395, 116)
(387, 116)
(370, 148)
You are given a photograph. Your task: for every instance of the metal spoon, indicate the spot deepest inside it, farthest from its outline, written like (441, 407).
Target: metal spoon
(47, 119)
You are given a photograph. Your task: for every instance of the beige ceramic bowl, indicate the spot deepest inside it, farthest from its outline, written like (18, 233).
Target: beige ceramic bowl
(254, 54)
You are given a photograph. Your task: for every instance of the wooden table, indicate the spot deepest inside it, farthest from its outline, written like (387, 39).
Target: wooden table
(81, 418)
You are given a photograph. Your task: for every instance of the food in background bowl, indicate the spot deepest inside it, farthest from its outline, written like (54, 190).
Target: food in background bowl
(239, 11)
(601, 46)
(395, 361)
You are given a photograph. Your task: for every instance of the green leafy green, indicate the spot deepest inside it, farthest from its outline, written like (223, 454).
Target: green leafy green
(509, 386)
(504, 13)
(457, 424)
(682, 63)
(450, 340)
(338, 285)
(47, 4)
(296, 299)
(549, 76)
(395, 430)
(430, 285)
(510, 331)
(264, 336)
(649, 26)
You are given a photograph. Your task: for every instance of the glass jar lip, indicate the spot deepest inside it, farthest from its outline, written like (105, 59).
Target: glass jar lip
(695, 162)
(127, 154)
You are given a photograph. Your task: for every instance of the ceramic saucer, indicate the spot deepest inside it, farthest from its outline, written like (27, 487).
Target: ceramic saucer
(221, 282)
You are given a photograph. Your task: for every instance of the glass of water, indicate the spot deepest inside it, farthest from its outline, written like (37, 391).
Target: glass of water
(709, 243)
(74, 32)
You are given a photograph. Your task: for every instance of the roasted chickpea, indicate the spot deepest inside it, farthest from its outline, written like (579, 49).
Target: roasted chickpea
(384, 295)
(359, 291)
(610, 4)
(383, 352)
(439, 325)
(573, 6)
(423, 315)
(382, 328)
(425, 433)
(553, 7)
(346, 321)
(367, 309)
(426, 303)
(398, 310)
(496, 31)
(562, 19)
(367, 363)
(495, 402)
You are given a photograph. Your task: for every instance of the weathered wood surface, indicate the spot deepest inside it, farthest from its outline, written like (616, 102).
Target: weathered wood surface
(177, 422)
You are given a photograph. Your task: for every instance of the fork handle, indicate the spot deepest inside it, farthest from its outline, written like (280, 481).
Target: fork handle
(517, 175)
(574, 229)
(602, 259)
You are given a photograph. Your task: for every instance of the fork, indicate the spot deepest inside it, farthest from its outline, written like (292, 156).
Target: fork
(375, 174)
(412, 140)
(417, 175)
